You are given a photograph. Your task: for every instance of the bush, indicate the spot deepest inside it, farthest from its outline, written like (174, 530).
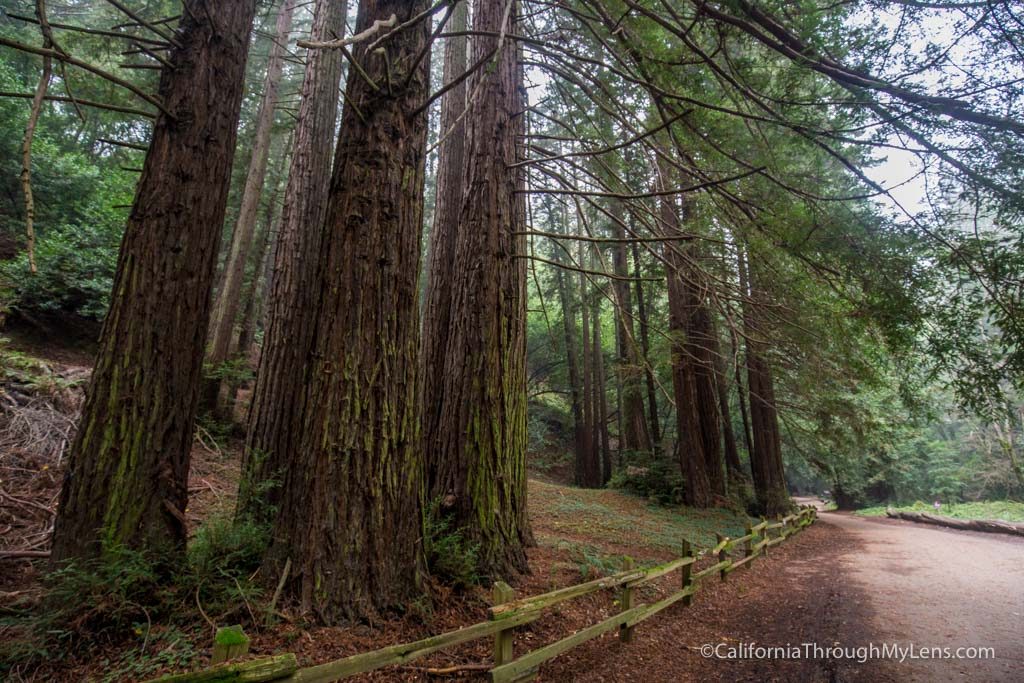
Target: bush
(451, 557)
(75, 275)
(654, 477)
(122, 595)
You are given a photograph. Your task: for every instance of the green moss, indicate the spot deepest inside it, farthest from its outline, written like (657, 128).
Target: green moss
(231, 635)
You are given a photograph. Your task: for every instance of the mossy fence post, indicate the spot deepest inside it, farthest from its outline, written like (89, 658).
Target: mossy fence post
(723, 555)
(626, 603)
(687, 572)
(748, 545)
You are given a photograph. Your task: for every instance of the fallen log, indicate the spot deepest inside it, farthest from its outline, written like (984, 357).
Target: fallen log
(991, 526)
(20, 554)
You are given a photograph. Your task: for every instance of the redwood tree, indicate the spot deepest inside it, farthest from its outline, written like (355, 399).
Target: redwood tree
(441, 254)
(690, 439)
(349, 514)
(289, 321)
(230, 296)
(127, 477)
(766, 452)
(482, 425)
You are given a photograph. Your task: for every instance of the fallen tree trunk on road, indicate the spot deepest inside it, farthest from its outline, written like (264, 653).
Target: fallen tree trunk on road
(987, 525)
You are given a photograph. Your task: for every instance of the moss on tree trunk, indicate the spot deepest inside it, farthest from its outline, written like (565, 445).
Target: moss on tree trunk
(127, 476)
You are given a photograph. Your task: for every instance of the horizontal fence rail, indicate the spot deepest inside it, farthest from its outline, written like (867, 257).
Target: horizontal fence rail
(508, 612)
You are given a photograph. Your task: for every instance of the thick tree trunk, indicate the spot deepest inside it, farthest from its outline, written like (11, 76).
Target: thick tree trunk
(127, 477)
(349, 515)
(690, 436)
(229, 300)
(635, 435)
(290, 322)
(451, 187)
(482, 428)
(766, 454)
(645, 348)
(702, 346)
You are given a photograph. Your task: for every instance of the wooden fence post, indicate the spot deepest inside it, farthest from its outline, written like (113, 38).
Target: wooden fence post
(230, 642)
(748, 547)
(687, 572)
(626, 603)
(501, 594)
(723, 555)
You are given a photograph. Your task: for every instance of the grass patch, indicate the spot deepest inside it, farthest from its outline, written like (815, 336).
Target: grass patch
(1003, 510)
(600, 517)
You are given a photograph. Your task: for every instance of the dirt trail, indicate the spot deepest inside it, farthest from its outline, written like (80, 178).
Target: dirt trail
(935, 587)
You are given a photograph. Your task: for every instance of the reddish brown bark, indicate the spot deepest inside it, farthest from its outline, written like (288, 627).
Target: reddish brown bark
(482, 427)
(588, 463)
(349, 512)
(451, 186)
(635, 435)
(691, 442)
(290, 325)
(645, 351)
(127, 476)
(229, 299)
(766, 455)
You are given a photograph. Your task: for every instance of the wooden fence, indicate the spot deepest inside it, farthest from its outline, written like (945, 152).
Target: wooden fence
(508, 612)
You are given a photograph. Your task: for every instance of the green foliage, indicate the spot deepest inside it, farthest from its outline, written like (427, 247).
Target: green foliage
(121, 595)
(1007, 511)
(451, 557)
(75, 271)
(654, 477)
(591, 562)
(161, 647)
(233, 371)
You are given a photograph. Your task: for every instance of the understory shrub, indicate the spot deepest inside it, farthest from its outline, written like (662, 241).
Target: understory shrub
(654, 477)
(123, 595)
(452, 558)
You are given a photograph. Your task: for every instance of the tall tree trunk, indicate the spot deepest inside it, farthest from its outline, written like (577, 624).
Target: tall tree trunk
(349, 516)
(635, 435)
(588, 462)
(601, 397)
(451, 187)
(581, 435)
(483, 394)
(693, 462)
(127, 477)
(290, 322)
(256, 290)
(645, 348)
(733, 467)
(766, 456)
(228, 301)
(741, 391)
(702, 345)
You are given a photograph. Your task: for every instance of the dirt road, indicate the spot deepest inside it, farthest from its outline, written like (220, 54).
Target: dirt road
(847, 582)
(934, 587)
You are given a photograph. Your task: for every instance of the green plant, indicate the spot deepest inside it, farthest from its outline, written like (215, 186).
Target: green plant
(452, 557)
(654, 477)
(75, 271)
(591, 562)
(170, 648)
(232, 371)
